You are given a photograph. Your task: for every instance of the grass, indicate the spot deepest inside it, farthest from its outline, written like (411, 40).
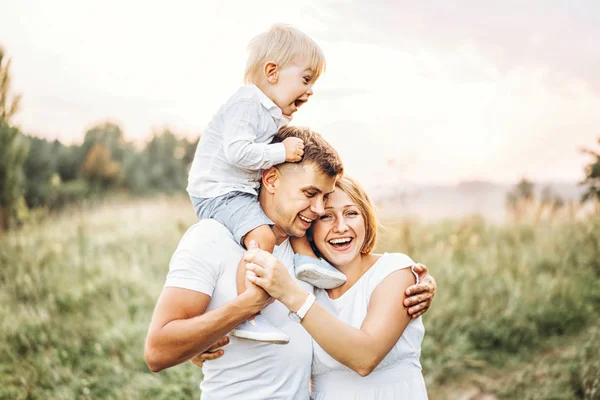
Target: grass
(516, 314)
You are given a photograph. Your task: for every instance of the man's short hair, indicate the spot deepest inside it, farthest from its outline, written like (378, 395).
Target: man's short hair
(316, 149)
(282, 44)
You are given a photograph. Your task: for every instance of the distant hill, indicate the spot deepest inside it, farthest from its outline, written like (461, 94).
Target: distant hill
(465, 198)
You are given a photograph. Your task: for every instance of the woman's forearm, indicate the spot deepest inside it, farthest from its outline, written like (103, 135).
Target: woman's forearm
(352, 347)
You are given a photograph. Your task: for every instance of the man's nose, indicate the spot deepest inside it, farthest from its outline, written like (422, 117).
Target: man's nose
(318, 206)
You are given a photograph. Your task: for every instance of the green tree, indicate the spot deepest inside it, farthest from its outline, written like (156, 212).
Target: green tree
(592, 176)
(13, 152)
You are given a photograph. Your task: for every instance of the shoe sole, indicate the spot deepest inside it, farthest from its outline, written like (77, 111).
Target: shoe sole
(273, 338)
(322, 279)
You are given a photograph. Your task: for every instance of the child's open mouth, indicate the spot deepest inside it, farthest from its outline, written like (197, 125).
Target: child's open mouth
(298, 103)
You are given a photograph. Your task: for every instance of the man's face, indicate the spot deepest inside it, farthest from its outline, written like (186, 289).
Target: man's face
(299, 197)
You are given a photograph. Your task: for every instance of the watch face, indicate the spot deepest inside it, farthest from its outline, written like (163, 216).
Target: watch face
(294, 317)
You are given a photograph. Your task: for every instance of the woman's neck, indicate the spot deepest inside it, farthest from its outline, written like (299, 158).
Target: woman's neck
(354, 270)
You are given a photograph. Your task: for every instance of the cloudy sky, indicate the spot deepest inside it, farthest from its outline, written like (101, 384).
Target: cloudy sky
(414, 91)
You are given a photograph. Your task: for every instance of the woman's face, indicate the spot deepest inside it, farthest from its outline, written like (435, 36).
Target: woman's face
(339, 234)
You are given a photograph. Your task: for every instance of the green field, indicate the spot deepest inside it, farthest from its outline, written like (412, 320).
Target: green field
(517, 314)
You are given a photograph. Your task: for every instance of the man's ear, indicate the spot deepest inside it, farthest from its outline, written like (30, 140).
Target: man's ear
(272, 72)
(270, 179)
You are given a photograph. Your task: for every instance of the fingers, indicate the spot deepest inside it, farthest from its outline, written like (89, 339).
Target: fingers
(206, 356)
(257, 280)
(417, 299)
(222, 342)
(258, 256)
(419, 308)
(255, 269)
(416, 289)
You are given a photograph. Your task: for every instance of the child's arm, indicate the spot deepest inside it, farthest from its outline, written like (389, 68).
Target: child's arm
(240, 141)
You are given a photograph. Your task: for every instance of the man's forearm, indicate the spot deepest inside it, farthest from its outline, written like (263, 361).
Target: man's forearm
(180, 340)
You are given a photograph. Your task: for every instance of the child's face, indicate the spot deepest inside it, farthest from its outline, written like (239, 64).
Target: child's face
(293, 87)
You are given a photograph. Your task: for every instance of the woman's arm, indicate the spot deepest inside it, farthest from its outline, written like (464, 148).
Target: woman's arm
(359, 349)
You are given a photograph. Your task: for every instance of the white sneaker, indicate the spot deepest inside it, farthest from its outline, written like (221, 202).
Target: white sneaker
(261, 330)
(317, 272)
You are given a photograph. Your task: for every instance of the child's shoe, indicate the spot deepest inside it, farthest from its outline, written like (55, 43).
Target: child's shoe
(261, 330)
(317, 272)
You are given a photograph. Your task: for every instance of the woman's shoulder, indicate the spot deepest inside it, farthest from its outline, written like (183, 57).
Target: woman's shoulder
(387, 264)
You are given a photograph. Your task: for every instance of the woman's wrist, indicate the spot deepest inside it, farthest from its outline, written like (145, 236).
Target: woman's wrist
(294, 299)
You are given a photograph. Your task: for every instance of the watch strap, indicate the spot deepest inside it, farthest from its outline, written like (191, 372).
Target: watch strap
(306, 306)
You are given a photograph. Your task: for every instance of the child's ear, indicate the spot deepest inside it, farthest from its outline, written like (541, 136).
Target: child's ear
(272, 72)
(270, 179)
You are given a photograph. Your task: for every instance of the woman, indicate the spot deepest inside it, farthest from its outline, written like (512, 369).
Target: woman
(366, 345)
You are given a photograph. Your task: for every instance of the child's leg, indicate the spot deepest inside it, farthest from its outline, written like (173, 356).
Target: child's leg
(301, 245)
(265, 238)
(310, 269)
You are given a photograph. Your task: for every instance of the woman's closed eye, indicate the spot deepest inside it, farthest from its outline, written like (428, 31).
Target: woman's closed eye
(325, 217)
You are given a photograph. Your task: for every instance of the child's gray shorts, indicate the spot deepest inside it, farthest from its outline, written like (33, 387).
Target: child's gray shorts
(240, 212)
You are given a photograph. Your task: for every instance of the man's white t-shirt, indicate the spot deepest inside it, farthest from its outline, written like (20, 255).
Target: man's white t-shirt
(206, 261)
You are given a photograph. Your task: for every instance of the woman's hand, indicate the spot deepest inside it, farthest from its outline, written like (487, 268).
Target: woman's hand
(420, 296)
(266, 271)
(212, 353)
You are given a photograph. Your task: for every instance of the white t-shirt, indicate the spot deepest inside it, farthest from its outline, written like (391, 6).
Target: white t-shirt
(206, 261)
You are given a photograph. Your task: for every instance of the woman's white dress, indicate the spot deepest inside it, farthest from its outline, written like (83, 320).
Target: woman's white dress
(398, 376)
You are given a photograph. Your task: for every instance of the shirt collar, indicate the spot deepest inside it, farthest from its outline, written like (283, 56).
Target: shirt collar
(275, 112)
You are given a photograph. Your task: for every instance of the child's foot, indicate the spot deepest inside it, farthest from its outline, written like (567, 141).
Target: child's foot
(260, 329)
(317, 272)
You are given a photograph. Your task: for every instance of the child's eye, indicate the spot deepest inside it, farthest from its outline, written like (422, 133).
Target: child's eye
(306, 80)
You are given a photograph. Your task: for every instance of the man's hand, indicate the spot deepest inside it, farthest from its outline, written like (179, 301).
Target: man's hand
(212, 353)
(294, 149)
(420, 296)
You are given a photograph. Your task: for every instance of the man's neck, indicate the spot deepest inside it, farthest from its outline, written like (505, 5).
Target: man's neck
(280, 235)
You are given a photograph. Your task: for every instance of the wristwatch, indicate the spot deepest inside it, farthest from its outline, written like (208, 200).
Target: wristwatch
(297, 316)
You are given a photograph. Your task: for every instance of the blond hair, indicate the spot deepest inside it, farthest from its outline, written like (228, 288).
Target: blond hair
(359, 197)
(282, 44)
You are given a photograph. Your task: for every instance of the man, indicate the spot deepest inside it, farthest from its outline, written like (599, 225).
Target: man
(199, 305)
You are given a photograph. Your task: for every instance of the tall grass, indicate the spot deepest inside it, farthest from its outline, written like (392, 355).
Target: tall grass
(77, 291)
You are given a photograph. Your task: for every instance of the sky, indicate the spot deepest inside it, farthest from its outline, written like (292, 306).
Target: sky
(416, 92)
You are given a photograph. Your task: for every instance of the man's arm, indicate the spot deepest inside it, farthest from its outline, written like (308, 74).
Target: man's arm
(180, 328)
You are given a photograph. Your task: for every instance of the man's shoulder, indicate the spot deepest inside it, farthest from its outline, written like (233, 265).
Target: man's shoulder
(207, 232)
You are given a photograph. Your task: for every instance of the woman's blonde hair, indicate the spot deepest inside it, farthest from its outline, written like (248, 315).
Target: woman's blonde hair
(282, 44)
(359, 197)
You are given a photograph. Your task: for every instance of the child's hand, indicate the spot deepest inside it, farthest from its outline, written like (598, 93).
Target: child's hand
(294, 149)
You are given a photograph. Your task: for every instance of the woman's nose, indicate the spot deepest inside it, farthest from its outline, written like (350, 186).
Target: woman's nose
(341, 225)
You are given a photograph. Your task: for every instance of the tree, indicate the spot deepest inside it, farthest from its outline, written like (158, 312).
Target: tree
(99, 168)
(592, 176)
(13, 152)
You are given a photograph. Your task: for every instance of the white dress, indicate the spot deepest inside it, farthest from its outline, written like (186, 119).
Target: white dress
(398, 375)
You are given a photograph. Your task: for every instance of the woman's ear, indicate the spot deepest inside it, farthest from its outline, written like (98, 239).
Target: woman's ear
(270, 179)
(272, 72)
